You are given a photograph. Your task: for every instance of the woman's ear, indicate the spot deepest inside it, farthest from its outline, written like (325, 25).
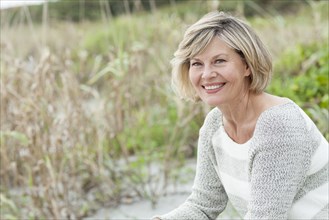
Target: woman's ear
(248, 70)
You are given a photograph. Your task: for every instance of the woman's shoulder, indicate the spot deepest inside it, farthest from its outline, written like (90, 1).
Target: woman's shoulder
(269, 105)
(286, 113)
(213, 118)
(212, 122)
(286, 121)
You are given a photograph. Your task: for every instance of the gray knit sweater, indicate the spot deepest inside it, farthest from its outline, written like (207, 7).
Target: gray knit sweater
(280, 173)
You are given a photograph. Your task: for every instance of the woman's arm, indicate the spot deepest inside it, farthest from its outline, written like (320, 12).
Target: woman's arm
(208, 198)
(279, 163)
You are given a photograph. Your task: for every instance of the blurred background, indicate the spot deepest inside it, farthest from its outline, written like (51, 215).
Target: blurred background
(88, 118)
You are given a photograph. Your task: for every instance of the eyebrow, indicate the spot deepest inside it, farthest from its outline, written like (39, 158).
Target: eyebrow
(216, 56)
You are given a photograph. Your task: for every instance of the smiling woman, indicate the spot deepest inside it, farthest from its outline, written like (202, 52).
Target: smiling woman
(259, 151)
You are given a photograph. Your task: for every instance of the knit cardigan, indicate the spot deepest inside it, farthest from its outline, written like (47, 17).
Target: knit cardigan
(280, 173)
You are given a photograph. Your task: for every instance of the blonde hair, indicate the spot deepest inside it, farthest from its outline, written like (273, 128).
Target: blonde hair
(237, 34)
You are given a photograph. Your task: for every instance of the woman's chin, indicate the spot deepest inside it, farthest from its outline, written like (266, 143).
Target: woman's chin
(212, 101)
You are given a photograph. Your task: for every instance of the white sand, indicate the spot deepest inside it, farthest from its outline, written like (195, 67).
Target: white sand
(144, 210)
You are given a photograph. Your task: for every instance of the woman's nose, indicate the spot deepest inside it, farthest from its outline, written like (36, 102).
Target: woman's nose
(208, 73)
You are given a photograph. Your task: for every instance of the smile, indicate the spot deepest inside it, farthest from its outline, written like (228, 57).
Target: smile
(213, 87)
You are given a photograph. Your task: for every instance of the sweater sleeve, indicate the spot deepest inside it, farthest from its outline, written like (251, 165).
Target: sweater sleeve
(208, 198)
(279, 161)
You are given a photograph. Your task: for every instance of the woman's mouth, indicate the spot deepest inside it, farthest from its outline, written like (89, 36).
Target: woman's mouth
(213, 88)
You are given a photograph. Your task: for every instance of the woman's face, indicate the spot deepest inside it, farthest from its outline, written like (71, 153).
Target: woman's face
(218, 74)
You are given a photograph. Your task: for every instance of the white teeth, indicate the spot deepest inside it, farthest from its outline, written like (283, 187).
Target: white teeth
(214, 87)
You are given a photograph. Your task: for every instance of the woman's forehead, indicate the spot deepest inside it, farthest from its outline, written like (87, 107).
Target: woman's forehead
(215, 47)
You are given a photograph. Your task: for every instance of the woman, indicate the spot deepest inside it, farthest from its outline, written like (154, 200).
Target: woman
(259, 151)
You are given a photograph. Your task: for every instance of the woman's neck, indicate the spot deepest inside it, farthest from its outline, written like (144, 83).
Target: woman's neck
(240, 117)
(241, 110)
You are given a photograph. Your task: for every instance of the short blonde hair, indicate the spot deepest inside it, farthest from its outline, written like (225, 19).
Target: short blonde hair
(237, 34)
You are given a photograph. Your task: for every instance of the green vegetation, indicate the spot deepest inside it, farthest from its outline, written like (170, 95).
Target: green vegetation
(302, 75)
(88, 117)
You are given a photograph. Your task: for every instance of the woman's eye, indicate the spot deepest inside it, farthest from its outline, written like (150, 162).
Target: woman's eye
(219, 61)
(195, 64)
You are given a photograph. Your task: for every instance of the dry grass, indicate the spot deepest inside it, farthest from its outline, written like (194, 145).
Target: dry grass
(71, 121)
